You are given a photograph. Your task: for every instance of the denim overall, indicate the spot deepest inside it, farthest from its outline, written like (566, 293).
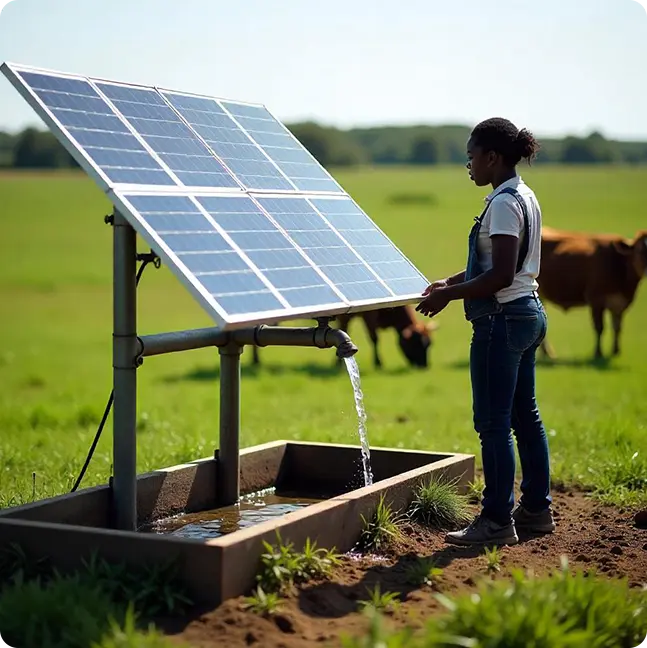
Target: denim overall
(502, 370)
(475, 308)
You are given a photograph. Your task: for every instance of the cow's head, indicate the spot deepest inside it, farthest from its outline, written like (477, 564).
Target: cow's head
(415, 341)
(637, 251)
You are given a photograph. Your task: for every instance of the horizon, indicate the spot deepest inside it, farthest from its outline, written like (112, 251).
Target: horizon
(572, 68)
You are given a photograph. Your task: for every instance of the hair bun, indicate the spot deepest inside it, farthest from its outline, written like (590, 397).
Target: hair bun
(526, 144)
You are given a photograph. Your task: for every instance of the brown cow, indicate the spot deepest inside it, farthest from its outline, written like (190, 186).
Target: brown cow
(601, 271)
(414, 337)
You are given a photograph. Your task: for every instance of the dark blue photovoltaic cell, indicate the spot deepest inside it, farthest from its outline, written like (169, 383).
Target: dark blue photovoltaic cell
(288, 153)
(271, 251)
(171, 139)
(325, 248)
(373, 246)
(204, 251)
(229, 142)
(97, 129)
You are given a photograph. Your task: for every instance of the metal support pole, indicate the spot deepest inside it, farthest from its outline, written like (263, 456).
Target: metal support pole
(229, 450)
(124, 350)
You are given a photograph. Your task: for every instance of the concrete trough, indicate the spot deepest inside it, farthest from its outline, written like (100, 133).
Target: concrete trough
(68, 528)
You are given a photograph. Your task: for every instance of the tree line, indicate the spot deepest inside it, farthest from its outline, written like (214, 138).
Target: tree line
(333, 147)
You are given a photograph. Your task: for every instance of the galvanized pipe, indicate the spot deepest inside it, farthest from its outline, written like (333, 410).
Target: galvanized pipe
(321, 336)
(124, 350)
(228, 487)
(151, 345)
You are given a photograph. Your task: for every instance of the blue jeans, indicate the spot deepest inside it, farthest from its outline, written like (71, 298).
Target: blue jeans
(502, 368)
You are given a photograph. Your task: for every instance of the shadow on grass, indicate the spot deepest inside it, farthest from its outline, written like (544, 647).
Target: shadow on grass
(321, 371)
(597, 364)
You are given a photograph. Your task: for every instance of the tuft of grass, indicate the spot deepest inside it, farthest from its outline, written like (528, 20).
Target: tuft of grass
(384, 528)
(423, 572)
(64, 613)
(377, 636)
(128, 636)
(438, 503)
(622, 479)
(475, 490)
(317, 562)
(153, 589)
(493, 559)
(262, 602)
(378, 600)
(564, 609)
(17, 566)
(282, 567)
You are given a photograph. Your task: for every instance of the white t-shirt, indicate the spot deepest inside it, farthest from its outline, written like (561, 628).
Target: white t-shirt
(505, 217)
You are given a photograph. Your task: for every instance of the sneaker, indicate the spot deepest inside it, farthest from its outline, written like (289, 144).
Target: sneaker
(484, 532)
(542, 522)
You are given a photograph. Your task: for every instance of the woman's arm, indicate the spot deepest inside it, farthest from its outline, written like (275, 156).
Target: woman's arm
(504, 261)
(505, 250)
(456, 279)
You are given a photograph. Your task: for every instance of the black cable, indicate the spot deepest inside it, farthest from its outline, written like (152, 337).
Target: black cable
(146, 260)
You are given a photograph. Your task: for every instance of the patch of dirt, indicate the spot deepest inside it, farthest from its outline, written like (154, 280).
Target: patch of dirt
(591, 535)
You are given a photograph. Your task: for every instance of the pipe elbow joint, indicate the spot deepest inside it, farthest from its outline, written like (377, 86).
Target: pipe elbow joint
(346, 348)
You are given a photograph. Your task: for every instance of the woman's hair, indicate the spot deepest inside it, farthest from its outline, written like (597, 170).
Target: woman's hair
(502, 136)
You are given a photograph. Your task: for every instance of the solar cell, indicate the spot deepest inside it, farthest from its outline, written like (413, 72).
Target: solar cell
(243, 215)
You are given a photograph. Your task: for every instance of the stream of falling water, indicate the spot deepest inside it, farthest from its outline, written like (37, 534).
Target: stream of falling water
(353, 372)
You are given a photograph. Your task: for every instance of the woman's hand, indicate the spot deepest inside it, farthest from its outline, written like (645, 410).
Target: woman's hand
(435, 301)
(441, 283)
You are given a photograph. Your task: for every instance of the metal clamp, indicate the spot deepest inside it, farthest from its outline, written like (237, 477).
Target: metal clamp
(150, 257)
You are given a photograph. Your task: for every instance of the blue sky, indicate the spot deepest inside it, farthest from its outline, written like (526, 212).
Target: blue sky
(554, 66)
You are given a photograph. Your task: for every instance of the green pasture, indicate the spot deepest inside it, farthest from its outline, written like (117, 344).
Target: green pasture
(56, 324)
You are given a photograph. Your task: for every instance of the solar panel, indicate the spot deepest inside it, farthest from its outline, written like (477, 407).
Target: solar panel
(253, 226)
(92, 131)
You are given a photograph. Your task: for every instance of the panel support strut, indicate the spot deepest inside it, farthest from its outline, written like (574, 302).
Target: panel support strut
(228, 489)
(124, 353)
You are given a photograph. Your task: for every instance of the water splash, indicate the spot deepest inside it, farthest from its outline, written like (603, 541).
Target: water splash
(353, 373)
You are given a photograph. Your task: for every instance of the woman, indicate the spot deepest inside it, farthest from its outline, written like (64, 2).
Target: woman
(499, 287)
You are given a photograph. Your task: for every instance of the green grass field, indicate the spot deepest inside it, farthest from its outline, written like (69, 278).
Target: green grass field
(55, 354)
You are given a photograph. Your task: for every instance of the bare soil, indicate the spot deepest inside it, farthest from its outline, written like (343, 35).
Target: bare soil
(590, 534)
